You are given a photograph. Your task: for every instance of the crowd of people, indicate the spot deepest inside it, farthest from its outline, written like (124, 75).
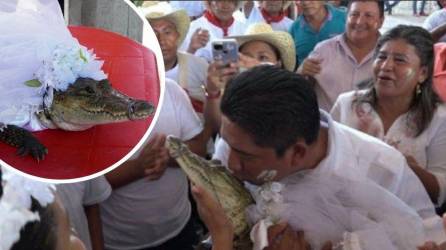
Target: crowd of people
(343, 116)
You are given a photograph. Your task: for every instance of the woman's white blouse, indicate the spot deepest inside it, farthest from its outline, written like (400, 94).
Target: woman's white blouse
(429, 148)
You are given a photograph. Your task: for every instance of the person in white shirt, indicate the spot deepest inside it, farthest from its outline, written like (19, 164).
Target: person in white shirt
(401, 107)
(435, 23)
(190, 71)
(351, 53)
(259, 45)
(272, 13)
(217, 22)
(81, 200)
(273, 130)
(32, 215)
(194, 9)
(149, 206)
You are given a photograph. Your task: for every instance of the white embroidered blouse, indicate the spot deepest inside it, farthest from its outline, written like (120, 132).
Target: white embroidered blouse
(428, 148)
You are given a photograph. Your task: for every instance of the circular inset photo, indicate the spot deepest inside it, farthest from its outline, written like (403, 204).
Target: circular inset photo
(75, 101)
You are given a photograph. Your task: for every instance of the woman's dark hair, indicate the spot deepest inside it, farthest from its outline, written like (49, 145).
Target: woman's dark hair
(274, 49)
(37, 235)
(424, 104)
(275, 106)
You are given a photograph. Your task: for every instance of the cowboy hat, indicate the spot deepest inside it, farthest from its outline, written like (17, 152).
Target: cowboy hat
(280, 40)
(163, 10)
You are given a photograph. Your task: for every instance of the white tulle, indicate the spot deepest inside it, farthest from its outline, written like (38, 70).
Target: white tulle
(36, 44)
(353, 214)
(15, 205)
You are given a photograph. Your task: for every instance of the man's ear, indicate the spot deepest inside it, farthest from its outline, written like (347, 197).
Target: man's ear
(299, 151)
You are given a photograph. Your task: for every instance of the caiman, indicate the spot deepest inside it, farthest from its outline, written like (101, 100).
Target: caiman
(84, 104)
(216, 179)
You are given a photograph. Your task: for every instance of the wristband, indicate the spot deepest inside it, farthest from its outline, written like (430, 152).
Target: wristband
(211, 95)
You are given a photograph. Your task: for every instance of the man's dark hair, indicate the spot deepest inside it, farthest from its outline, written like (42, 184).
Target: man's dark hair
(275, 106)
(380, 4)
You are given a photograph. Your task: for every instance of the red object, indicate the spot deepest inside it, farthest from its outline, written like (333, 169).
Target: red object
(272, 19)
(131, 69)
(215, 21)
(439, 78)
(196, 104)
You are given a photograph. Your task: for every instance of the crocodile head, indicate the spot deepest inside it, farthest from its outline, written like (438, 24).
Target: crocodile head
(215, 178)
(88, 102)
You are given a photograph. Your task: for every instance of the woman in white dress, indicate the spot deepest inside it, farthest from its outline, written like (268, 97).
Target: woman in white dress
(401, 108)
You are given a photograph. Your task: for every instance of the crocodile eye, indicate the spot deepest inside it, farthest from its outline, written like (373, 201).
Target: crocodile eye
(88, 90)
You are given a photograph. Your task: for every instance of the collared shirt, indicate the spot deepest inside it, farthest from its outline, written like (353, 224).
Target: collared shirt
(237, 28)
(190, 72)
(340, 71)
(428, 148)
(355, 155)
(306, 38)
(148, 213)
(256, 17)
(434, 20)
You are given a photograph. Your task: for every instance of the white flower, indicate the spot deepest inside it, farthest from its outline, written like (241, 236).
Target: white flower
(21, 190)
(66, 64)
(15, 205)
(269, 202)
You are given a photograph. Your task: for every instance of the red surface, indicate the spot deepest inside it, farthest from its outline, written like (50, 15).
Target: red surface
(440, 70)
(131, 69)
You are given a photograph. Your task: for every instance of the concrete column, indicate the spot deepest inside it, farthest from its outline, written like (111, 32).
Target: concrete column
(118, 16)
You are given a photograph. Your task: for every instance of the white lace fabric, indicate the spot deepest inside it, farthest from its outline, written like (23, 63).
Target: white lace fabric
(350, 214)
(35, 44)
(15, 205)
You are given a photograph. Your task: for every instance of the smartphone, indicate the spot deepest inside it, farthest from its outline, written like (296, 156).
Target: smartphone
(225, 50)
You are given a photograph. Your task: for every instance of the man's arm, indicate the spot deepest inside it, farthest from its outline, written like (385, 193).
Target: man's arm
(95, 226)
(151, 163)
(217, 76)
(438, 32)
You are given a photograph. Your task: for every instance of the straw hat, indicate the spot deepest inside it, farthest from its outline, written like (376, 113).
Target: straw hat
(281, 40)
(163, 10)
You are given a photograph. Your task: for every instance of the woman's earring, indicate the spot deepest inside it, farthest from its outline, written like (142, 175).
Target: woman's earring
(418, 89)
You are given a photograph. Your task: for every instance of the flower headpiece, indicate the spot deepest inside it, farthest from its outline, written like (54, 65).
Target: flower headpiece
(15, 205)
(38, 55)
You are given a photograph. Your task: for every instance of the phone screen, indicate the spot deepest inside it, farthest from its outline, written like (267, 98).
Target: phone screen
(225, 50)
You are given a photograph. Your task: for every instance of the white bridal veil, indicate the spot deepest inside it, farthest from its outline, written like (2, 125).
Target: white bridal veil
(37, 55)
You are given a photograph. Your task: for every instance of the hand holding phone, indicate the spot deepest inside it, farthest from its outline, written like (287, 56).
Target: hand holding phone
(225, 50)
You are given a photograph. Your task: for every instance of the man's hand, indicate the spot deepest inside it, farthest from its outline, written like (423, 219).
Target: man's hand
(219, 74)
(198, 40)
(153, 158)
(282, 237)
(432, 246)
(214, 217)
(211, 212)
(310, 66)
